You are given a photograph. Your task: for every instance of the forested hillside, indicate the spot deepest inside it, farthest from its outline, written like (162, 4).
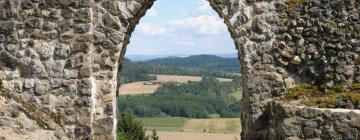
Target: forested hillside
(192, 100)
(139, 71)
(200, 61)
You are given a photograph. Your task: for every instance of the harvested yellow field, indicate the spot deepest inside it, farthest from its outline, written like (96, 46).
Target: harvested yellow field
(196, 136)
(221, 125)
(184, 79)
(137, 88)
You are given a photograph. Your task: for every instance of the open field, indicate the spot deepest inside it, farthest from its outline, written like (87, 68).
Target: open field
(238, 94)
(196, 136)
(221, 125)
(164, 123)
(139, 87)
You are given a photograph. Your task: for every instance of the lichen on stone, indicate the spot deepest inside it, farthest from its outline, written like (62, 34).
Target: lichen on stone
(324, 97)
(295, 3)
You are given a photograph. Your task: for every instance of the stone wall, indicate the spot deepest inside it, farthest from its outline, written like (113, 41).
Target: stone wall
(60, 61)
(292, 123)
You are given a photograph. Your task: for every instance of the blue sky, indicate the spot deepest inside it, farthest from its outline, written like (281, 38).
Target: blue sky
(180, 27)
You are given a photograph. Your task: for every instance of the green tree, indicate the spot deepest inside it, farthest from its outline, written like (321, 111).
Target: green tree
(130, 129)
(154, 135)
(192, 100)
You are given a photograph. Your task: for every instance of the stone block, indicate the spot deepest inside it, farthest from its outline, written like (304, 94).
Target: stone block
(34, 23)
(85, 72)
(55, 83)
(70, 74)
(103, 125)
(82, 28)
(41, 87)
(47, 51)
(83, 102)
(7, 27)
(62, 51)
(80, 47)
(82, 15)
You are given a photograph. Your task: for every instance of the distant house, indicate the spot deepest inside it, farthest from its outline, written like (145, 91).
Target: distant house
(148, 83)
(153, 83)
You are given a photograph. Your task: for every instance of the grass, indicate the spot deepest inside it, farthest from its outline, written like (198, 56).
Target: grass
(312, 95)
(164, 123)
(232, 125)
(238, 94)
(178, 124)
(214, 116)
(221, 125)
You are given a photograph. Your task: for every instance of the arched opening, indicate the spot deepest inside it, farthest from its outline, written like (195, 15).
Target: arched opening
(59, 66)
(186, 43)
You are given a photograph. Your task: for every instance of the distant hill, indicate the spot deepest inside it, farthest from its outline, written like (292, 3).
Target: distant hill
(141, 58)
(200, 61)
(201, 65)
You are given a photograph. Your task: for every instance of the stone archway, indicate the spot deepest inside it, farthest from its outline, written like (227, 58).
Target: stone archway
(59, 64)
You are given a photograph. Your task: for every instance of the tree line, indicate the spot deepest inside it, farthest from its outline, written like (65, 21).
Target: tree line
(191, 100)
(200, 61)
(139, 71)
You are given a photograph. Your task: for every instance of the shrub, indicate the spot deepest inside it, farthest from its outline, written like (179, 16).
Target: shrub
(130, 129)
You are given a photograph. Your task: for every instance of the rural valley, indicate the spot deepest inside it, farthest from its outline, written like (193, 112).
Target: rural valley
(184, 100)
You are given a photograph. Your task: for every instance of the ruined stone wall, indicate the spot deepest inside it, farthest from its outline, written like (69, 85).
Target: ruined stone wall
(292, 123)
(60, 59)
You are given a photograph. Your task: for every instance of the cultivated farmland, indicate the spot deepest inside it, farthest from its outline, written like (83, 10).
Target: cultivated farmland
(177, 128)
(221, 125)
(196, 136)
(140, 88)
(137, 88)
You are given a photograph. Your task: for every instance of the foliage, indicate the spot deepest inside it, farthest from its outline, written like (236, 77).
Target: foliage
(313, 95)
(154, 135)
(133, 72)
(193, 100)
(200, 61)
(139, 71)
(130, 129)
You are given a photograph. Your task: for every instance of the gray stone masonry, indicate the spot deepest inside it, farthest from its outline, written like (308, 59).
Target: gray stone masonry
(60, 62)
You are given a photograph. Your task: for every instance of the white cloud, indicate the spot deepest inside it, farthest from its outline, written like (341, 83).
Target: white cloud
(151, 29)
(203, 7)
(184, 43)
(202, 19)
(205, 24)
(181, 40)
(152, 12)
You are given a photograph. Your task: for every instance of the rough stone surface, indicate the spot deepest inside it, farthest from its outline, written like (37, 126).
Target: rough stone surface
(59, 60)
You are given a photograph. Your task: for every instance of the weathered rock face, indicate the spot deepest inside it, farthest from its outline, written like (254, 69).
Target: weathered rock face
(60, 61)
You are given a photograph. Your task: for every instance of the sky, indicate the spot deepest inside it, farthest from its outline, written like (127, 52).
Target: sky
(180, 27)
